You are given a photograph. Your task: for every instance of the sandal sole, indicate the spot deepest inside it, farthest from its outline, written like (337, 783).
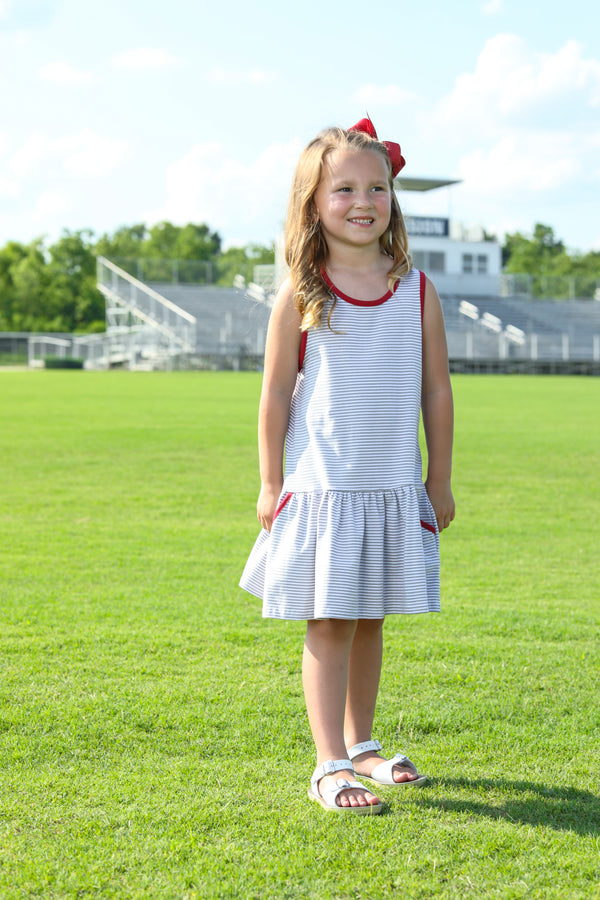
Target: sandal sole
(372, 810)
(416, 782)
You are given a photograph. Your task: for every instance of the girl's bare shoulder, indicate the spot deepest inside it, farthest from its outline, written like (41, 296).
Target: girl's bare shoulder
(283, 335)
(285, 294)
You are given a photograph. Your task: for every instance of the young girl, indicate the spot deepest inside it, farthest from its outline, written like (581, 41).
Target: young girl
(355, 350)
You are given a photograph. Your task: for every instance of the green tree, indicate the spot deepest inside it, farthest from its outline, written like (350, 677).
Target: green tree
(72, 287)
(554, 272)
(54, 288)
(535, 255)
(162, 241)
(23, 283)
(10, 255)
(197, 242)
(126, 242)
(241, 261)
(152, 254)
(50, 289)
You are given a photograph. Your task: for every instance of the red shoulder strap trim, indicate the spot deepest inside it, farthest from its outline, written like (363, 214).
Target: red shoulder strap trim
(423, 283)
(302, 350)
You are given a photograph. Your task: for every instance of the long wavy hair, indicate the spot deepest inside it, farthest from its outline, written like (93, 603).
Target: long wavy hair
(305, 246)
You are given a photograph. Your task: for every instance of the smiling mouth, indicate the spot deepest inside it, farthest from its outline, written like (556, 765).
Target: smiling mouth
(361, 221)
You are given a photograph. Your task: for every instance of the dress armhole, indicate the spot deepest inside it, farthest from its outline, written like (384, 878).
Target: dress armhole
(423, 283)
(302, 350)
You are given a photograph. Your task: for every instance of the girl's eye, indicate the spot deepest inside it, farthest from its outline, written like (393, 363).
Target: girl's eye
(345, 189)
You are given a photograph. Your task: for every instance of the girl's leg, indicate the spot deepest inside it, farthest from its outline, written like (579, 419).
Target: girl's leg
(325, 679)
(363, 684)
(364, 670)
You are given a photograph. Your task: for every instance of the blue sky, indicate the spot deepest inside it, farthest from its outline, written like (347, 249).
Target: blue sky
(125, 112)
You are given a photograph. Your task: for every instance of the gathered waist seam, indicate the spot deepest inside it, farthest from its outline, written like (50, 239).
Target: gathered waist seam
(416, 485)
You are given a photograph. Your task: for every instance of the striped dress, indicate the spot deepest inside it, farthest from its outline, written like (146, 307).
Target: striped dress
(354, 534)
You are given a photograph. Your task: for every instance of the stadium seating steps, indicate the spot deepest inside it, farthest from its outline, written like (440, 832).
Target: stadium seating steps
(227, 317)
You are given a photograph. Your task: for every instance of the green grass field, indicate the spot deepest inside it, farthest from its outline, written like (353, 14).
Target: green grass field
(153, 741)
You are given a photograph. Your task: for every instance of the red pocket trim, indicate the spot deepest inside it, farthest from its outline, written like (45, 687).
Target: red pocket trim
(427, 526)
(284, 500)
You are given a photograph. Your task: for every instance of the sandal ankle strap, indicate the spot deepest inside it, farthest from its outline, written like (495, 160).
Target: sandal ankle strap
(329, 768)
(363, 748)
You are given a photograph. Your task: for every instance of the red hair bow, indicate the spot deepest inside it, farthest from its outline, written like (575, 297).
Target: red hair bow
(397, 160)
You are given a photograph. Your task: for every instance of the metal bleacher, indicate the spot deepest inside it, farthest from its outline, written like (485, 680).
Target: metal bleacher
(172, 325)
(166, 326)
(228, 320)
(536, 331)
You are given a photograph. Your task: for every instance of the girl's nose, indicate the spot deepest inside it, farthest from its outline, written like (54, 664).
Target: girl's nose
(362, 199)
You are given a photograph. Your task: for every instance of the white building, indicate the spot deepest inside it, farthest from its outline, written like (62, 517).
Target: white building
(459, 260)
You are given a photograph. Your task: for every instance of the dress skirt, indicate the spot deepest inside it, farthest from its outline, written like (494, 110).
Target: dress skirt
(347, 555)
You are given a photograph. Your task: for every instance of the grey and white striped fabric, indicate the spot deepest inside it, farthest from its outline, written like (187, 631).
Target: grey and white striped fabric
(354, 534)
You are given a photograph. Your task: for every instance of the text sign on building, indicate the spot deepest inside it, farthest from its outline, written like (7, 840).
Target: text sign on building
(427, 226)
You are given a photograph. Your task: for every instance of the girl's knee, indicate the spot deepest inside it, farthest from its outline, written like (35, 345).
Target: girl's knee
(370, 626)
(331, 629)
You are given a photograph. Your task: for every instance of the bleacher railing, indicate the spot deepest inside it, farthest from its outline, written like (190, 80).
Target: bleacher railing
(550, 287)
(475, 333)
(143, 304)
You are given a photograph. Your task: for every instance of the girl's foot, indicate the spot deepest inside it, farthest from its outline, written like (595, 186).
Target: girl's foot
(349, 796)
(364, 764)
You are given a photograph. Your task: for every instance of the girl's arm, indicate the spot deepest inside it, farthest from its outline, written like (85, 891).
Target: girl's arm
(437, 409)
(281, 369)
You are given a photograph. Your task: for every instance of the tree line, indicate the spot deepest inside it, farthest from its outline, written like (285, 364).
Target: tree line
(545, 259)
(53, 287)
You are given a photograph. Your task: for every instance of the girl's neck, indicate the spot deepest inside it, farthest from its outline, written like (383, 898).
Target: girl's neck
(366, 279)
(355, 257)
(358, 265)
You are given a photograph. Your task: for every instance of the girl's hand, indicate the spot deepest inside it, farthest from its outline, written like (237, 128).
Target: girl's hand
(267, 504)
(440, 497)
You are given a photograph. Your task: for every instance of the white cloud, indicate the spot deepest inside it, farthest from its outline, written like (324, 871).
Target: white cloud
(8, 187)
(61, 72)
(256, 77)
(511, 83)
(521, 130)
(525, 163)
(49, 204)
(209, 185)
(145, 58)
(383, 95)
(501, 118)
(492, 7)
(86, 154)
(91, 155)
(28, 157)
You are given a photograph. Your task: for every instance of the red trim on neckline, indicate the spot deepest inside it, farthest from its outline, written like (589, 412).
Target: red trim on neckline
(352, 300)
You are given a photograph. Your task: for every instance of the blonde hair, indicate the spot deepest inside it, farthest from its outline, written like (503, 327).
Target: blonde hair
(305, 246)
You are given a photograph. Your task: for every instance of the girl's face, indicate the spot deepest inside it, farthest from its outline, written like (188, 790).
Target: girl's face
(353, 199)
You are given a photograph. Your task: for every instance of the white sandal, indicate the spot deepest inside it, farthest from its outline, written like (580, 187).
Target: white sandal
(327, 797)
(383, 773)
